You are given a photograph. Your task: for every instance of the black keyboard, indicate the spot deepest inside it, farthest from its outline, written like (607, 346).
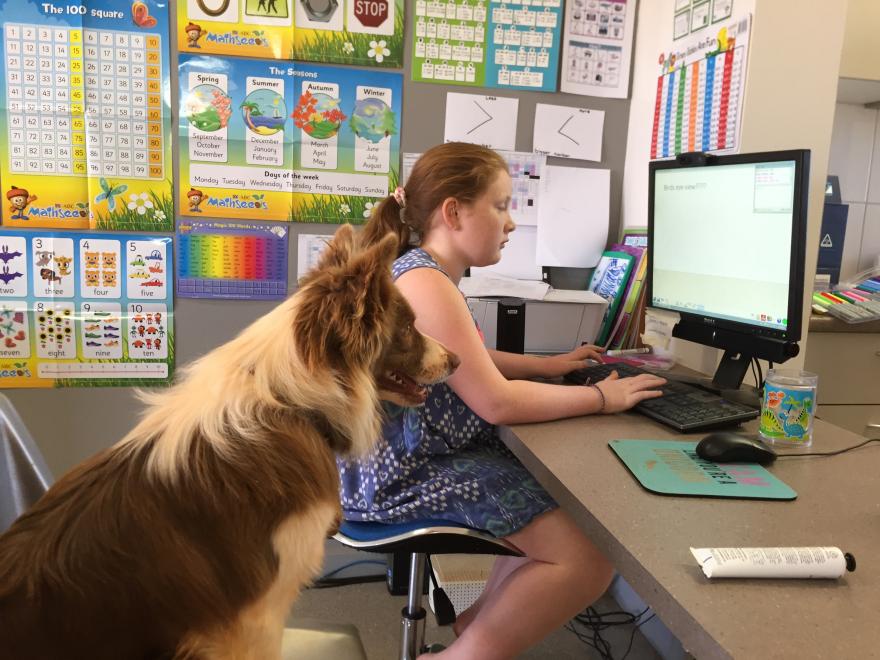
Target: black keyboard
(683, 406)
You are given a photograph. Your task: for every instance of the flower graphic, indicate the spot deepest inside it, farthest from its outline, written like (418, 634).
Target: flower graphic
(159, 213)
(139, 203)
(368, 209)
(348, 48)
(318, 115)
(378, 50)
(344, 209)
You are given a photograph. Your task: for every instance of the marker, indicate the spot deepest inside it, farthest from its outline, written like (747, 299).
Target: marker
(627, 351)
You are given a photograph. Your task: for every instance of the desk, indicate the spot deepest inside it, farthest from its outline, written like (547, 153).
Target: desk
(647, 537)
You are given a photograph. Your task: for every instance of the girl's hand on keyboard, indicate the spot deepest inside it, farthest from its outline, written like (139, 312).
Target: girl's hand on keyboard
(623, 393)
(559, 365)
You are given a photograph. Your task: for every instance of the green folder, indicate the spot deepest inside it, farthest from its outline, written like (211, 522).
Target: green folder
(609, 281)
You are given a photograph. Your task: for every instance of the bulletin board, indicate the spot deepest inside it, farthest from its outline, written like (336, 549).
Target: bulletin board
(293, 142)
(85, 309)
(363, 32)
(85, 127)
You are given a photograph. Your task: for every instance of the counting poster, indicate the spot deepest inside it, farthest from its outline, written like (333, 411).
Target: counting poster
(85, 124)
(231, 260)
(512, 45)
(85, 309)
(298, 142)
(364, 32)
(698, 102)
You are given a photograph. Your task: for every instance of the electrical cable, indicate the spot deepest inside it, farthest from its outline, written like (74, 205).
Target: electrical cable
(633, 634)
(829, 453)
(595, 622)
(325, 580)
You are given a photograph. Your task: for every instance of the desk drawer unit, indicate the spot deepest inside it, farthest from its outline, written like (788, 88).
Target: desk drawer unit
(848, 365)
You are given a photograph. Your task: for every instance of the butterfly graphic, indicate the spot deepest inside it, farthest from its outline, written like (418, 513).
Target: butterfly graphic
(140, 15)
(6, 255)
(6, 276)
(109, 193)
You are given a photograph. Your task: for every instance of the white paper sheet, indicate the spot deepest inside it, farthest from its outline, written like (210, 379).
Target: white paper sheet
(597, 48)
(568, 132)
(308, 250)
(518, 258)
(502, 286)
(486, 120)
(573, 216)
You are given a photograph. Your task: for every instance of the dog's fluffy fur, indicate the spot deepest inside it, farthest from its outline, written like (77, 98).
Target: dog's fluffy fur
(192, 536)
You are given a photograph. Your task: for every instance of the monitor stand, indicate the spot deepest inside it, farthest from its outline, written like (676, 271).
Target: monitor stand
(728, 380)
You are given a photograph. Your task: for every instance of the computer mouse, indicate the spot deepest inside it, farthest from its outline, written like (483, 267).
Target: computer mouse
(730, 447)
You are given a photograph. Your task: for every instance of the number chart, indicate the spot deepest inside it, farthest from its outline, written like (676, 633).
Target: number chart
(231, 260)
(302, 143)
(85, 309)
(513, 45)
(362, 32)
(85, 128)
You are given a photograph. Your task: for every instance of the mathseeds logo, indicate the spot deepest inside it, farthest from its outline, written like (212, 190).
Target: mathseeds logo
(78, 210)
(14, 370)
(236, 38)
(256, 201)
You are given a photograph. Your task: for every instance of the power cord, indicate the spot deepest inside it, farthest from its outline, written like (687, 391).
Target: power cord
(589, 625)
(326, 581)
(829, 453)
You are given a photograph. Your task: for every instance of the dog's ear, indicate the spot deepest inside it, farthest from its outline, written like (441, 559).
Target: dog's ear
(339, 249)
(385, 251)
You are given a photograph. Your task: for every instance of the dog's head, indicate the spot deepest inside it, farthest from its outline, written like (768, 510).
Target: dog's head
(351, 318)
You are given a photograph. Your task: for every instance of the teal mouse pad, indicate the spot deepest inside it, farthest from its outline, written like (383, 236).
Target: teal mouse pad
(672, 467)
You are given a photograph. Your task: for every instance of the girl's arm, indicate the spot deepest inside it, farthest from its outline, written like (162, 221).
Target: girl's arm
(442, 313)
(514, 365)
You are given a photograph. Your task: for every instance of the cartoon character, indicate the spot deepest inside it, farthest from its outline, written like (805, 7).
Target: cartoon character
(140, 15)
(92, 259)
(151, 331)
(156, 268)
(63, 264)
(138, 344)
(157, 343)
(194, 32)
(19, 199)
(158, 317)
(49, 275)
(109, 260)
(6, 256)
(195, 198)
(141, 330)
(44, 257)
(93, 278)
(109, 278)
(7, 277)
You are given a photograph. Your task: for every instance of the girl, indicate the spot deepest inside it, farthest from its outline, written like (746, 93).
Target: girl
(444, 460)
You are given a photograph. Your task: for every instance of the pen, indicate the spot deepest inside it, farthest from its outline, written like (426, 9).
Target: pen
(627, 351)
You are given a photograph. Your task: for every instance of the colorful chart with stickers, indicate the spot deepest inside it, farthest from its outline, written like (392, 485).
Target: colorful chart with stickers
(85, 309)
(363, 32)
(85, 121)
(231, 260)
(511, 45)
(301, 143)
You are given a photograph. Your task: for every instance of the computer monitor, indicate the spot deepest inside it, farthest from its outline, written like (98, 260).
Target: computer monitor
(726, 244)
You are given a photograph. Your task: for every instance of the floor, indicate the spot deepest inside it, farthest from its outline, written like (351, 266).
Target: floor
(377, 615)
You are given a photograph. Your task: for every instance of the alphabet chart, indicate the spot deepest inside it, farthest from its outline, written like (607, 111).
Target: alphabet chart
(488, 43)
(302, 143)
(231, 260)
(698, 105)
(363, 32)
(85, 309)
(85, 129)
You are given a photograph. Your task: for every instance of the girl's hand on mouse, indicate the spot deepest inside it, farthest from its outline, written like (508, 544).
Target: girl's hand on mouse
(623, 393)
(559, 365)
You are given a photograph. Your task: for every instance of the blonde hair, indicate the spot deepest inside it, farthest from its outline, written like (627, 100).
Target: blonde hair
(456, 169)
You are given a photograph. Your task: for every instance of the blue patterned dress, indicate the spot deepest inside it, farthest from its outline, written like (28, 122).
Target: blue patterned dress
(440, 461)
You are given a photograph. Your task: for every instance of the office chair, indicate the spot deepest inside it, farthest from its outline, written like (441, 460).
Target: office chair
(419, 539)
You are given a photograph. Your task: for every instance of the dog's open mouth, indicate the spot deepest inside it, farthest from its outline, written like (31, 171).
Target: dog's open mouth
(398, 383)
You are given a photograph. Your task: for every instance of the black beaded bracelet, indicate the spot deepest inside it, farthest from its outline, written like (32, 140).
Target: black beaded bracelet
(601, 396)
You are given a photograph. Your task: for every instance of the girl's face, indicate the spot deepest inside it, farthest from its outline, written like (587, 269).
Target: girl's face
(486, 223)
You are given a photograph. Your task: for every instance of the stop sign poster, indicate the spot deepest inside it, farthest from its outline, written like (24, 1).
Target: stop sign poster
(511, 45)
(286, 141)
(363, 32)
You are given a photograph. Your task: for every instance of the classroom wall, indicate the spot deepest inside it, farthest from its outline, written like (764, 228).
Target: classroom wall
(72, 424)
(855, 159)
(789, 103)
(861, 53)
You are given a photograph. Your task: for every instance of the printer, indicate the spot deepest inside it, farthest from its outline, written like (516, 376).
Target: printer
(560, 322)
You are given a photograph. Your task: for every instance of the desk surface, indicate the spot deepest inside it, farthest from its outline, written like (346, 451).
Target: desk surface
(648, 536)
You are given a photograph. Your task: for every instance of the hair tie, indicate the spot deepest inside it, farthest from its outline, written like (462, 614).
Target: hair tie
(399, 194)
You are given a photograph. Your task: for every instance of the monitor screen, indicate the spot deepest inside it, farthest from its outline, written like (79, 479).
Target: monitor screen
(722, 241)
(726, 247)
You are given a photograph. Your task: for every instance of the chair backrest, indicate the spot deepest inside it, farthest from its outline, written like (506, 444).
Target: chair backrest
(24, 475)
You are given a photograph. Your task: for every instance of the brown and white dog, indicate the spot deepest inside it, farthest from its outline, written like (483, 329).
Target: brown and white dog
(192, 536)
